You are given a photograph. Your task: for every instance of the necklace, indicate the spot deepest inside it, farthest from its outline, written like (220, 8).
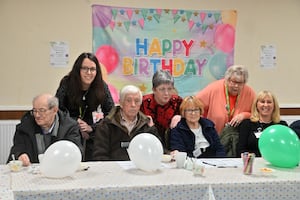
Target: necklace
(81, 110)
(83, 97)
(265, 121)
(230, 111)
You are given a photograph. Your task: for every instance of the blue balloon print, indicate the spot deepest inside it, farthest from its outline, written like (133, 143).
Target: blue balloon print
(217, 65)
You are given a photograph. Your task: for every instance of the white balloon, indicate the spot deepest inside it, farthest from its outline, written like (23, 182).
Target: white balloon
(145, 151)
(61, 159)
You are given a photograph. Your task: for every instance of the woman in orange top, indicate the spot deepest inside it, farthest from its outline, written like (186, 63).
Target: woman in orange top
(228, 101)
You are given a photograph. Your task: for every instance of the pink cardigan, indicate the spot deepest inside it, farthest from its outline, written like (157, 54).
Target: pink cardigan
(213, 97)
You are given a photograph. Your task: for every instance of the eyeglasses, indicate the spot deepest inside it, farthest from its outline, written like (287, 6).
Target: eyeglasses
(190, 111)
(40, 111)
(164, 90)
(88, 69)
(238, 83)
(129, 101)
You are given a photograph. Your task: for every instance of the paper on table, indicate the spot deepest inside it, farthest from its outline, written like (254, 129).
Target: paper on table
(130, 165)
(221, 163)
(126, 164)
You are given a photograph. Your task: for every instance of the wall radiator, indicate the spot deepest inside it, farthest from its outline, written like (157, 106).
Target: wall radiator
(7, 131)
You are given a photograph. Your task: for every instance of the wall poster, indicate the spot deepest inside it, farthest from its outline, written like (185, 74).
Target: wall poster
(196, 46)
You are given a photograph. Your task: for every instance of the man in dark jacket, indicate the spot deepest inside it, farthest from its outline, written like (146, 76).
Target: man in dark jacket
(116, 130)
(42, 126)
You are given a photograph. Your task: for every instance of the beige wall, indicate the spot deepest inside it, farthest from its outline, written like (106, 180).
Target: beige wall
(27, 27)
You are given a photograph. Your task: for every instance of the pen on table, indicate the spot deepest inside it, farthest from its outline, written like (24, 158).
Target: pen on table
(222, 166)
(209, 163)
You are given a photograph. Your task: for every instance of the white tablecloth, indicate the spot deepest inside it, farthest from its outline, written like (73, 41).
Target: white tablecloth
(108, 180)
(5, 187)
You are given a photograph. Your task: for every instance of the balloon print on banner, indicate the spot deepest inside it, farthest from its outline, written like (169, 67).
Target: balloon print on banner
(103, 72)
(218, 65)
(114, 93)
(224, 38)
(109, 56)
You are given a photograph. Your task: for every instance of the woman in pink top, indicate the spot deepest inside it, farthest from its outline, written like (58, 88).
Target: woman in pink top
(228, 101)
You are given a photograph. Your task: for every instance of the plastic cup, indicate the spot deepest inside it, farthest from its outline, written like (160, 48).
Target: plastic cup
(198, 169)
(248, 160)
(180, 158)
(15, 165)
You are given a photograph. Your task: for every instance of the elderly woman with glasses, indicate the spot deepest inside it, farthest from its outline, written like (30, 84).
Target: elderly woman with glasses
(163, 104)
(228, 101)
(86, 96)
(194, 134)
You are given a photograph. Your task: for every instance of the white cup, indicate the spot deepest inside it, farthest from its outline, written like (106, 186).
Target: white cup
(180, 158)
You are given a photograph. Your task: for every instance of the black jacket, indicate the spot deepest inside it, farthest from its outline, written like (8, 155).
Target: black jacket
(25, 141)
(183, 139)
(110, 135)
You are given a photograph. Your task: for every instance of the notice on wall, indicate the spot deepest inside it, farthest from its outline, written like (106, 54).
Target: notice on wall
(267, 56)
(59, 54)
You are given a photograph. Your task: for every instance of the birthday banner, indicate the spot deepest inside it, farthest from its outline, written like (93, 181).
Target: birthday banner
(196, 46)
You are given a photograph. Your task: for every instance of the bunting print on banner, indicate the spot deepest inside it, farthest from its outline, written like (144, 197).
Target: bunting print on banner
(132, 43)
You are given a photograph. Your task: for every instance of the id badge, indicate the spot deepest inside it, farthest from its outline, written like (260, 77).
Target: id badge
(257, 134)
(97, 114)
(197, 152)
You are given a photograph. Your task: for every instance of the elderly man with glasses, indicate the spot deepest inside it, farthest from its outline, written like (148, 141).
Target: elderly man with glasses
(42, 126)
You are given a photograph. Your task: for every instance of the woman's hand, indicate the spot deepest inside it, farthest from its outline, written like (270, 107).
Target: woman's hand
(174, 121)
(236, 120)
(173, 153)
(150, 123)
(85, 129)
(25, 159)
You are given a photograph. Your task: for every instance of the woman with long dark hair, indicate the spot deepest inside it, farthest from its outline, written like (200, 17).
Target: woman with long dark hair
(86, 96)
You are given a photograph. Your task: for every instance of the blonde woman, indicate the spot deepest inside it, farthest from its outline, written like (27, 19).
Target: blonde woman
(264, 113)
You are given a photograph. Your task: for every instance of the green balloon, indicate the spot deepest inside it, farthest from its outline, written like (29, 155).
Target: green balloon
(280, 146)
